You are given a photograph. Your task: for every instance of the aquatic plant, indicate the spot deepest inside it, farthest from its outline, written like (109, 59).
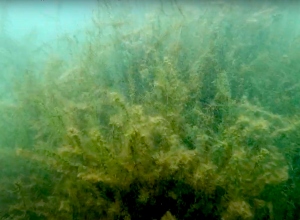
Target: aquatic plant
(153, 123)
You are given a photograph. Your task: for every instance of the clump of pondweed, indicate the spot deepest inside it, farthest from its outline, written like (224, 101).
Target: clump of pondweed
(164, 133)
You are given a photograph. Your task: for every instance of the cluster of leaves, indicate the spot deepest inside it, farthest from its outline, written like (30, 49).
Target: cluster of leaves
(158, 121)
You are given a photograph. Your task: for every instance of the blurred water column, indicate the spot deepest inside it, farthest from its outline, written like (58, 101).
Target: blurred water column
(57, 18)
(3, 16)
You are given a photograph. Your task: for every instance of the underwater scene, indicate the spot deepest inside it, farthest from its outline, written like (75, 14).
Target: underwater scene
(152, 110)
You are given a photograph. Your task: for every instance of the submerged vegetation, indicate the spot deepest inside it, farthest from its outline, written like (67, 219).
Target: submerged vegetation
(191, 114)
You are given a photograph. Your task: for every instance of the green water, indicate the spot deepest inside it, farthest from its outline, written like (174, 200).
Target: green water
(163, 110)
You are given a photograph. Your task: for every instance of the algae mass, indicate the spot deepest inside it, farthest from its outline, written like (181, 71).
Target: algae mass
(191, 114)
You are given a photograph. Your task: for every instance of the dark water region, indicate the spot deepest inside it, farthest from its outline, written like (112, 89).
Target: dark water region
(149, 110)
